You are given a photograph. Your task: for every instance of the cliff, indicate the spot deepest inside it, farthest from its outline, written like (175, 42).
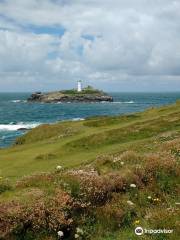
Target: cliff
(87, 95)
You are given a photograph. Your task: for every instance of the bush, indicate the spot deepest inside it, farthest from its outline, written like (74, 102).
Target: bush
(49, 215)
(4, 186)
(35, 180)
(110, 216)
(92, 188)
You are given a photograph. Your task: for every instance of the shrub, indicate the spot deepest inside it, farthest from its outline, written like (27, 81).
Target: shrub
(130, 157)
(110, 216)
(117, 182)
(45, 215)
(4, 185)
(35, 180)
(93, 189)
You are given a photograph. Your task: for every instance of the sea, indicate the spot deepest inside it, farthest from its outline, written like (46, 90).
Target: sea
(17, 115)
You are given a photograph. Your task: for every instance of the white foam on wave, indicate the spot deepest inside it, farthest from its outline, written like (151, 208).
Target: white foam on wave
(18, 101)
(126, 102)
(78, 119)
(18, 126)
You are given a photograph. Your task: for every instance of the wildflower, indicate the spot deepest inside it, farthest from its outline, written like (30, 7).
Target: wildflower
(130, 203)
(136, 222)
(60, 234)
(76, 236)
(149, 197)
(122, 163)
(79, 230)
(156, 200)
(59, 168)
(132, 185)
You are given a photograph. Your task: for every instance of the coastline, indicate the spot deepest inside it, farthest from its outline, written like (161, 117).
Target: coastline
(13, 105)
(98, 165)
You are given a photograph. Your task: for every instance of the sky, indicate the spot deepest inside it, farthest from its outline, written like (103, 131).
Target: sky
(115, 45)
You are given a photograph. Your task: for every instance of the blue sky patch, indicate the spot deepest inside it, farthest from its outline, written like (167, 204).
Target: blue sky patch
(51, 30)
(89, 37)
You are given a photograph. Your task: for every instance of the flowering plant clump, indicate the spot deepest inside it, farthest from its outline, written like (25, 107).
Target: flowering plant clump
(59, 168)
(93, 189)
(60, 234)
(156, 200)
(132, 185)
(51, 215)
(129, 157)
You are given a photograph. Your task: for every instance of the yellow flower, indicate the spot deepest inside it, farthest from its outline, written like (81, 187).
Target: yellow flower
(156, 200)
(136, 222)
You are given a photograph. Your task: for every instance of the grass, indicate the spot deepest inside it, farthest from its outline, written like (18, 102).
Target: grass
(100, 157)
(87, 90)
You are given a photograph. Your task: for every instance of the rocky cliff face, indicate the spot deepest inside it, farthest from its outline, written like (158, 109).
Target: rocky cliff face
(60, 96)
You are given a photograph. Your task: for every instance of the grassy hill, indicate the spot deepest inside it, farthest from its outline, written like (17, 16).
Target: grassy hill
(94, 179)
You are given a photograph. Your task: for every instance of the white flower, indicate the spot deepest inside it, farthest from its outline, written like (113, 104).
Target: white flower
(59, 168)
(132, 185)
(79, 230)
(60, 234)
(122, 163)
(130, 203)
(149, 197)
(76, 235)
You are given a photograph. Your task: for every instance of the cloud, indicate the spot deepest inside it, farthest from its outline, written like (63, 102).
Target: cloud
(120, 42)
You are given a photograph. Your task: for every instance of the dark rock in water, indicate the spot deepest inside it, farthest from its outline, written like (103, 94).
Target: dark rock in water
(35, 96)
(86, 95)
(22, 129)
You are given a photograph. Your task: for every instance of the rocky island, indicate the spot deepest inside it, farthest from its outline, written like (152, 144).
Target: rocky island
(88, 94)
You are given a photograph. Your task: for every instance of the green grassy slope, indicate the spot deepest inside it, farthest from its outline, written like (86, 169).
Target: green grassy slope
(101, 158)
(73, 143)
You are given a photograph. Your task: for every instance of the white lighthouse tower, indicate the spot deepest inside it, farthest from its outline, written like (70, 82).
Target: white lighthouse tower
(79, 86)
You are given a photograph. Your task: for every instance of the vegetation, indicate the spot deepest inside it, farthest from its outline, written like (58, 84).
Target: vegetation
(96, 179)
(87, 90)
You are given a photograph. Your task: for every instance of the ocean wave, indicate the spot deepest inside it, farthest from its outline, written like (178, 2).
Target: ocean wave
(125, 102)
(18, 101)
(18, 126)
(78, 119)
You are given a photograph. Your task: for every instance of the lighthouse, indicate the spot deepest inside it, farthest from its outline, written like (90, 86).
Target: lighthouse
(79, 86)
